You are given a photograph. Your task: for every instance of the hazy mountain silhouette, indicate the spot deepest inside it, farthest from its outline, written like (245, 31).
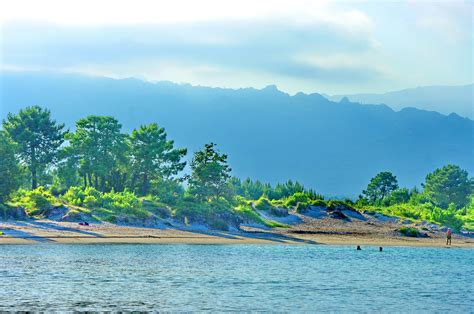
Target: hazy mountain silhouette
(444, 99)
(335, 147)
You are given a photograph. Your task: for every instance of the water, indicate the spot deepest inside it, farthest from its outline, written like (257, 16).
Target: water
(235, 277)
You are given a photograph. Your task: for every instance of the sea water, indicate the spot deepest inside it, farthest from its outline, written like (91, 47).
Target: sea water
(235, 278)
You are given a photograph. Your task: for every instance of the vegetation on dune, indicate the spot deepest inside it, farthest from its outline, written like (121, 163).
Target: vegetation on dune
(36, 202)
(409, 231)
(447, 198)
(102, 173)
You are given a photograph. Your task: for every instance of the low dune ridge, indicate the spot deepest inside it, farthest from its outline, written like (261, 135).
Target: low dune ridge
(301, 228)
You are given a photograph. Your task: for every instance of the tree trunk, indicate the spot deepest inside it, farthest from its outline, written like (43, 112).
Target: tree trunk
(85, 180)
(102, 183)
(34, 179)
(89, 178)
(145, 184)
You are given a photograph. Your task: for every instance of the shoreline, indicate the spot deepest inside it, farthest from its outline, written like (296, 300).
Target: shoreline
(50, 232)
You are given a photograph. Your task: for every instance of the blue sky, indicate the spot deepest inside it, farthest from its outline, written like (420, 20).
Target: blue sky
(312, 46)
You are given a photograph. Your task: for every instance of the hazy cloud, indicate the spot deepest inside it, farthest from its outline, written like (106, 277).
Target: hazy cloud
(326, 46)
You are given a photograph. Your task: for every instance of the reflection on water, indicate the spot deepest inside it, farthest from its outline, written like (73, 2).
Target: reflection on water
(235, 277)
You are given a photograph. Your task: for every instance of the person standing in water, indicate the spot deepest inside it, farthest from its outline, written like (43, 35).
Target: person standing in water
(448, 236)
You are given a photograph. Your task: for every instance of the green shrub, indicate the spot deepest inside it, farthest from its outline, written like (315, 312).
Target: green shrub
(298, 197)
(246, 212)
(263, 204)
(302, 207)
(338, 204)
(319, 203)
(90, 201)
(409, 231)
(35, 201)
(450, 217)
(117, 203)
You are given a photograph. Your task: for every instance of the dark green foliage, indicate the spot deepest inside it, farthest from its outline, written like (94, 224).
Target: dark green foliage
(335, 204)
(263, 204)
(449, 184)
(398, 196)
(298, 197)
(210, 174)
(319, 203)
(38, 137)
(302, 207)
(409, 231)
(255, 189)
(102, 151)
(66, 173)
(109, 164)
(284, 190)
(10, 172)
(379, 187)
(153, 156)
(250, 189)
(168, 191)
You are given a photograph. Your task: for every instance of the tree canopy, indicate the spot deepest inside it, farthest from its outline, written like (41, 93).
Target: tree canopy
(102, 150)
(210, 174)
(380, 186)
(449, 184)
(38, 136)
(154, 156)
(10, 172)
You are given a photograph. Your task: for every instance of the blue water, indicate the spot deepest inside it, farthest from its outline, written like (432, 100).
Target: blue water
(235, 277)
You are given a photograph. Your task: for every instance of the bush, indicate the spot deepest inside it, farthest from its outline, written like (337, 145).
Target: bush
(319, 203)
(302, 207)
(449, 217)
(409, 231)
(167, 191)
(263, 204)
(117, 203)
(90, 201)
(36, 201)
(248, 214)
(298, 197)
(338, 205)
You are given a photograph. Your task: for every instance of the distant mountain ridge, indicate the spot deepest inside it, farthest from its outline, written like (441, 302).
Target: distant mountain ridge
(334, 147)
(443, 99)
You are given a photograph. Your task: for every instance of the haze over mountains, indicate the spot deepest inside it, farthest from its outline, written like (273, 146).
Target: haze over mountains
(443, 99)
(334, 147)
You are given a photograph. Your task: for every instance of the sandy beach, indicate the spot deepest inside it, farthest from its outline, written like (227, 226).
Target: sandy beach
(51, 232)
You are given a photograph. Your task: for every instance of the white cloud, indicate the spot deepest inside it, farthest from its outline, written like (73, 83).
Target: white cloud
(134, 12)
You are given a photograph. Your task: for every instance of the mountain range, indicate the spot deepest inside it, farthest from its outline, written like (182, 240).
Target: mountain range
(333, 147)
(443, 99)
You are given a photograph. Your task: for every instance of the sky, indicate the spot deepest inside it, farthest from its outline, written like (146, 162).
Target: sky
(333, 47)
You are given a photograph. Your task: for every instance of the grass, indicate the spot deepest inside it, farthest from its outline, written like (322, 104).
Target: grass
(274, 224)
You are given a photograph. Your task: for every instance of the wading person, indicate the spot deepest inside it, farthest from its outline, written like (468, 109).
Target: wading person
(448, 236)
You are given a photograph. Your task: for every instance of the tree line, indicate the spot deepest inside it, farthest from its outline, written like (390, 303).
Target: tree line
(36, 148)
(447, 186)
